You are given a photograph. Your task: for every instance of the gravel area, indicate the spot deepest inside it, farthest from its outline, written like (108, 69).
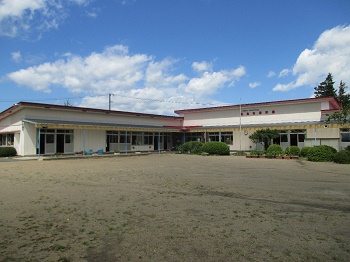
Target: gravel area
(173, 207)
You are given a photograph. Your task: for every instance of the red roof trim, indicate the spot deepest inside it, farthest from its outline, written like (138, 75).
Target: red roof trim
(82, 109)
(331, 100)
(183, 128)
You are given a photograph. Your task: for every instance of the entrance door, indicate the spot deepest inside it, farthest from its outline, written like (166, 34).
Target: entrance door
(60, 143)
(293, 139)
(42, 144)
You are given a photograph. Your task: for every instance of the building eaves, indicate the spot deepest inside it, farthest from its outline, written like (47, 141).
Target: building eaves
(331, 100)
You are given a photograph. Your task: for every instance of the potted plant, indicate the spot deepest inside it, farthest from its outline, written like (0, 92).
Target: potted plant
(116, 152)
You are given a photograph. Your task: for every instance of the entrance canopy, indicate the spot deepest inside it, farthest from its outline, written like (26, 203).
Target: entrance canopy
(64, 124)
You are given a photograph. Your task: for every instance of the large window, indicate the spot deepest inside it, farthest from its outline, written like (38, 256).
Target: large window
(227, 137)
(345, 135)
(148, 138)
(214, 136)
(6, 139)
(193, 137)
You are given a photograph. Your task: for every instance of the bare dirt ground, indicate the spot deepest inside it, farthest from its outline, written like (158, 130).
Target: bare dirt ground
(174, 208)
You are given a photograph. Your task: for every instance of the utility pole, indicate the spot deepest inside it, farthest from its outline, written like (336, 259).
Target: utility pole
(109, 100)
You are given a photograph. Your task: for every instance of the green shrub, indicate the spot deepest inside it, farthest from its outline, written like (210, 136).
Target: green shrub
(274, 150)
(292, 151)
(321, 153)
(216, 148)
(7, 151)
(305, 151)
(342, 157)
(257, 152)
(347, 148)
(191, 147)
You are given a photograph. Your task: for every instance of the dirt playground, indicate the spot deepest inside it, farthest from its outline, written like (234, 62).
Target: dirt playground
(174, 208)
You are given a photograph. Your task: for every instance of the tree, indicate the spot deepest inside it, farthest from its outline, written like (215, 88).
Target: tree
(264, 136)
(67, 103)
(342, 97)
(326, 88)
(344, 101)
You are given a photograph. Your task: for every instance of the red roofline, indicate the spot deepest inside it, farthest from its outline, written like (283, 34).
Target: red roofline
(184, 128)
(21, 105)
(331, 100)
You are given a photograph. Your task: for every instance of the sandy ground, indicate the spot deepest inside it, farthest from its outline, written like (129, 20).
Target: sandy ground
(174, 208)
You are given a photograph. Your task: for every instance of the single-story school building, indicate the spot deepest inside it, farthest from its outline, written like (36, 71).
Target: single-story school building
(36, 128)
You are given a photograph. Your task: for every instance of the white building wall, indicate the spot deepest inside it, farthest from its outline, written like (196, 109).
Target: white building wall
(282, 114)
(55, 114)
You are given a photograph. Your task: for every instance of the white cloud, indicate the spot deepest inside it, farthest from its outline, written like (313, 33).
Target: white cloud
(209, 83)
(271, 74)
(202, 66)
(330, 54)
(115, 70)
(16, 56)
(20, 17)
(98, 72)
(284, 72)
(254, 84)
(157, 74)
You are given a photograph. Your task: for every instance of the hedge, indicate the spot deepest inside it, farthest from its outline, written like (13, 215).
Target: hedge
(7, 151)
(216, 148)
(305, 151)
(191, 147)
(321, 153)
(342, 157)
(274, 150)
(292, 151)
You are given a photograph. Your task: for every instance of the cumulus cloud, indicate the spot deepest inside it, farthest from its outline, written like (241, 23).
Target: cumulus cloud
(209, 83)
(202, 66)
(330, 53)
(157, 74)
(99, 72)
(254, 84)
(129, 77)
(20, 17)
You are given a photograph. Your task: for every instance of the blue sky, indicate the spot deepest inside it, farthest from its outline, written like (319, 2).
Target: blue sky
(157, 56)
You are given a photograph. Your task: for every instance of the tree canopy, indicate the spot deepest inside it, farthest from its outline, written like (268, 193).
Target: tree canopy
(326, 88)
(264, 136)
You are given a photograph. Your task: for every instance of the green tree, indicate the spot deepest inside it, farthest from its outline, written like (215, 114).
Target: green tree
(344, 101)
(326, 88)
(264, 136)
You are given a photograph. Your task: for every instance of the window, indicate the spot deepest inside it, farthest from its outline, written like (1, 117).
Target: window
(345, 135)
(227, 137)
(6, 139)
(137, 138)
(148, 138)
(284, 138)
(50, 138)
(68, 138)
(124, 138)
(214, 136)
(193, 137)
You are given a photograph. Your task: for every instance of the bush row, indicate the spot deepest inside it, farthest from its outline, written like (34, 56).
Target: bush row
(211, 148)
(321, 153)
(7, 151)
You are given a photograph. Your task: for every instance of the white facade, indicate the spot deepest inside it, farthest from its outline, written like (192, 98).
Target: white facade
(49, 129)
